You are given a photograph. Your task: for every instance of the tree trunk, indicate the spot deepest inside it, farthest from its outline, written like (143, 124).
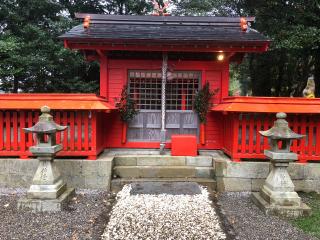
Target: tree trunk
(15, 85)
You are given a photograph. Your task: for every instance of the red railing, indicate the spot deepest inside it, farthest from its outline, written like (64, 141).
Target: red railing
(80, 139)
(243, 141)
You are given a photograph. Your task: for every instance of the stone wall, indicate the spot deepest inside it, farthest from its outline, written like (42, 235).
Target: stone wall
(249, 176)
(78, 173)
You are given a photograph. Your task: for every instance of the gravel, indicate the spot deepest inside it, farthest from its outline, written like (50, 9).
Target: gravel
(85, 217)
(248, 222)
(155, 211)
(145, 212)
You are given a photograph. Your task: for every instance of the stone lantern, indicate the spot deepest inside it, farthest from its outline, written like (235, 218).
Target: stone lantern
(277, 195)
(48, 191)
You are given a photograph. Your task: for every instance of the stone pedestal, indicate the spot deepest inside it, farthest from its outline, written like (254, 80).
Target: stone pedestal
(277, 195)
(48, 191)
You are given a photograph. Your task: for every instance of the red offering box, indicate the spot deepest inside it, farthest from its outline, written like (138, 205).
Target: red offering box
(184, 145)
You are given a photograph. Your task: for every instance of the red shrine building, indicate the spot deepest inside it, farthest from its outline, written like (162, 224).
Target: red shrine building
(163, 61)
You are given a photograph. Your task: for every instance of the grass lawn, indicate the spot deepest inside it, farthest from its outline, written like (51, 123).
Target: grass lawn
(310, 224)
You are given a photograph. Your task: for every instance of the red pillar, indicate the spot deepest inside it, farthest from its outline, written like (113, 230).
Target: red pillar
(225, 81)
(103, 74)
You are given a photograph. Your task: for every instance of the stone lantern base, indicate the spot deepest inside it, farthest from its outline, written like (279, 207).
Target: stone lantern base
(283, 211)
(277, 195)
(47, 205)
(48, 191)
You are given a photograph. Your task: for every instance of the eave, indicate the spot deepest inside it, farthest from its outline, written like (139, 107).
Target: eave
(89, 44)
(269, 105)
(55, 102)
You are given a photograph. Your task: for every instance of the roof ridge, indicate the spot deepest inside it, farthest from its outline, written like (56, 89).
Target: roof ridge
(150, 18)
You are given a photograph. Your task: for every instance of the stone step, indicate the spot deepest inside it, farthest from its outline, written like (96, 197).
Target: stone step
(117, 184)
(163, 172)
(160, 160)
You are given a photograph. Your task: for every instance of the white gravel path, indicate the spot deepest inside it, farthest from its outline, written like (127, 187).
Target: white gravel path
(163, 216)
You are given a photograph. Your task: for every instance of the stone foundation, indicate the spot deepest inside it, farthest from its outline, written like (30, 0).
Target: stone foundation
(250, 176)
(96, 174)
(77, 173)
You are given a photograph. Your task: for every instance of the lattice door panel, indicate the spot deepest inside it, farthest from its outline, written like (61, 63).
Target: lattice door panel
(145, 89)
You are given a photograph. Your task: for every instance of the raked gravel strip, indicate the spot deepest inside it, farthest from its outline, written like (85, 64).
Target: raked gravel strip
(163, 216)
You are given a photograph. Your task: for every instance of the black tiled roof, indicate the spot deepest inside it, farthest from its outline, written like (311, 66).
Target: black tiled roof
(164, 29)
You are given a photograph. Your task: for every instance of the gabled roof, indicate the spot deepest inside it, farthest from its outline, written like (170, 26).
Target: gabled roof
(128, 29)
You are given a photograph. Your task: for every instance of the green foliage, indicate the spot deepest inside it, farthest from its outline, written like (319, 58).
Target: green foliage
(126, 106)
(311, 223)
(33, 59)
(202, 102)
(294, 28)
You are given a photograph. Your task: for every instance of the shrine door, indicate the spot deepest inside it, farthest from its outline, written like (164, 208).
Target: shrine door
(145, 89)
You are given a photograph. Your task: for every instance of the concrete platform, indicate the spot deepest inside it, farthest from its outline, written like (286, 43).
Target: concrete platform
(283, 211)
(47, 205)
(77, 173)
(117, 184)
(250, 175)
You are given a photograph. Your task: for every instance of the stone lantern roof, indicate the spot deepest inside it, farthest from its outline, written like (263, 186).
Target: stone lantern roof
(45, 124)
(280, 129)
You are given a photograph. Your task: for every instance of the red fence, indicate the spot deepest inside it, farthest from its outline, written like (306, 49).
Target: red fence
(80, 139)
(243, 141)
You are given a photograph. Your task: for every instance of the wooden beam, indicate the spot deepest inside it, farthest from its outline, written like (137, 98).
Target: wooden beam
(167, 48)
(104, 78)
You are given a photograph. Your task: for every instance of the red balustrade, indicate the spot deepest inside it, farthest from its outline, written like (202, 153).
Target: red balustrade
(80, 139)
(243, 141)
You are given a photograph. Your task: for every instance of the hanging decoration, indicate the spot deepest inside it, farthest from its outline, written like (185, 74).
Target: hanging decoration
(201, 105)
(127, 111)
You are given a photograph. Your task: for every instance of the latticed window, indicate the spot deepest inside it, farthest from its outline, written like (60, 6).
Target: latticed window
(145, 89)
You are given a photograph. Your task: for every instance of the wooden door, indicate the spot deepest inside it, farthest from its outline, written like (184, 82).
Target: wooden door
(145, 89)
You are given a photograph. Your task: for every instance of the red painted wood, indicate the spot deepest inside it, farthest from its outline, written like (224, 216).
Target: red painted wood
(269, 105)
(79, 130)
(61, 101)
(72, 132)
(265, 127)
(310, 136)
(124, 133)
(225, 82)
(251, 134)
(318, 135)
(66, 132)
(15, 131)
(243, 133)
(17, 142)
(8, 131)
(86, 132)
(295, 124)
(1, 130)
(30, 124)
(303, 131)
(94, 131)
(104, 91)
(202, 134)
(57, 118)
(235, 131)
(183, 145)
(22, 122)
(35, 120)
(258, 139)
